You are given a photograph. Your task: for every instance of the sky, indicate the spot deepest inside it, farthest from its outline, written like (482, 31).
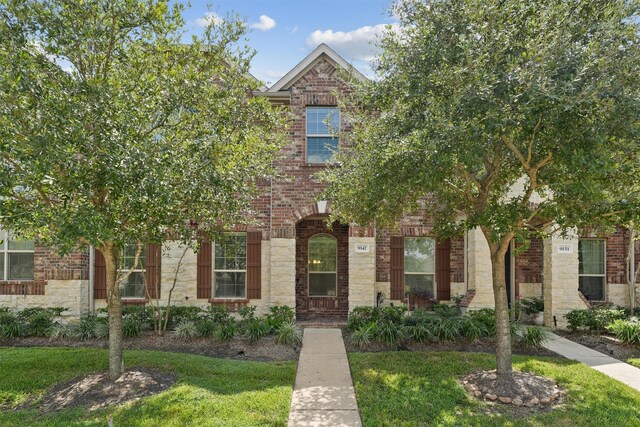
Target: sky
(283, 32)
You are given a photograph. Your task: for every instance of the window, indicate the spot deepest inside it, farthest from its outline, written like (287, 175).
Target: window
(323, 277)
(419, 266)
(323, 123)
(133, 285)
(591, 270)
(230, 266)
(16, 257)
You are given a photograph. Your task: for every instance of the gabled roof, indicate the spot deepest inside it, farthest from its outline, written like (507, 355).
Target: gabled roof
(307, 63)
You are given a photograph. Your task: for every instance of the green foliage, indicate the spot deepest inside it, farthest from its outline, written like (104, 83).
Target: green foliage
(86, 327)
(362, 316)
(131, 326)
(420, 333)
(186, 330)
(256, 329)
(280, 315)
(226, 331)
(12, 326)
(390, 333)
(532, 337)
(206, 328)
(219, 314)
(179, 314)
(474, 329)
(626, 330)
(289, 333)
(596, 319)
(363, 336)
(487, 317)
(445, 310)
(532, 305)
(247, 313)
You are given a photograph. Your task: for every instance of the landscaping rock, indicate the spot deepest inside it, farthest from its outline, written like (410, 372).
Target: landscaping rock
(517, 402)
(490, 396)
(504, 399)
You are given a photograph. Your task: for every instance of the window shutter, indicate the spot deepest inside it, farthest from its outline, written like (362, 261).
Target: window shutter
(153, 265)
(99, 276)
(204, 273)
(254, 255)
(397, 267)
(443, 270)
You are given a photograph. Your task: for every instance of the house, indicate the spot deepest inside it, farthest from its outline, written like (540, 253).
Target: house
(293, 258)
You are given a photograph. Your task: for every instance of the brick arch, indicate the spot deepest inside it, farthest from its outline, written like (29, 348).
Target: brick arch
(322, 207)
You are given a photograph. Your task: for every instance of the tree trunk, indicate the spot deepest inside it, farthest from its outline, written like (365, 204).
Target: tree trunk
(114, 307)
(503, 337)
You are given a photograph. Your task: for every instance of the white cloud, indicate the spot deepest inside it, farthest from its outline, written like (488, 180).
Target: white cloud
(356, 44)
(265, 23)
(208, 18)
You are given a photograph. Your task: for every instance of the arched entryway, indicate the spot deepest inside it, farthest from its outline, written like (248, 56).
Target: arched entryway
(322, 269)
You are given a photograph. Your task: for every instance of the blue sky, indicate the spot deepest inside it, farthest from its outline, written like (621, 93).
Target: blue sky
(283, 32)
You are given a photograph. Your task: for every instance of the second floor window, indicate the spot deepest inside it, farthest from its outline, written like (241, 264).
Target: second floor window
(323, 125)
(133, 285)
(16, 257)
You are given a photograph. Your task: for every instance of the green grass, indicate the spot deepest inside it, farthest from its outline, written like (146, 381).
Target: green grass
(416, 389)
(634, 362)
(208, 391)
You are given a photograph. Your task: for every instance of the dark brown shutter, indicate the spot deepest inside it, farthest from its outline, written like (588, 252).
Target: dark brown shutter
(254, 255)
(153, 261)
(443, 270)
(203, 275)
(397, 267)
(99, 276)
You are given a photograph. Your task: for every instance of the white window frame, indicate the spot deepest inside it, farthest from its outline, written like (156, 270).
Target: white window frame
(214, 270)
(143, 270)
(328, 136)
(5, 252)
(603, 275)
(421, 273)
(309, 272)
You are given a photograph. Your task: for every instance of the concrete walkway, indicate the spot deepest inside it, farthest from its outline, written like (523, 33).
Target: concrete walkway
(323, 393)
(614, 368)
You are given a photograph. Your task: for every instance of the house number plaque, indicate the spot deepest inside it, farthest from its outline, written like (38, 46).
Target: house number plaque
(362, 248)
(565, 249)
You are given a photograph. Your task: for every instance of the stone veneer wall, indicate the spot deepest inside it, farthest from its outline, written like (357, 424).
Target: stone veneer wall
(72, 294)
(283, 272)
(560, 280)
(362, 273)
(479, 270)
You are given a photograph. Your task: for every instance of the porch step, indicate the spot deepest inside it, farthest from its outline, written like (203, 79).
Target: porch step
(322, 323)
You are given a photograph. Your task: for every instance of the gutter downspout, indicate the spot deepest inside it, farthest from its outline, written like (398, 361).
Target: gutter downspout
(92, 255)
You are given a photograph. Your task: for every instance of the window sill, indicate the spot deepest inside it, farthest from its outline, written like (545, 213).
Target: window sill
(134, 301)
(22, 287)
(232, 304)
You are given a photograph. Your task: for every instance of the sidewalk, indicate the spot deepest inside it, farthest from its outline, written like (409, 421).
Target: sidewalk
(323, 394)
(609, 366)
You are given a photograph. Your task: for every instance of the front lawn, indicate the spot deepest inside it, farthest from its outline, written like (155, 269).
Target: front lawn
(634, 362)
(208, 391)
(415, 389)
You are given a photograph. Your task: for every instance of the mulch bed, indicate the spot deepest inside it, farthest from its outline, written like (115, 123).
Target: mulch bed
(98, 391)
(483, 345)
(238, 348)
(611, 346)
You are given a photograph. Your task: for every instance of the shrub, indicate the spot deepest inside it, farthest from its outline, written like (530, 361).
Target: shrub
(393, 314)
(626, 330)
(595, 319)
(39, 323)
(362, 316)
(58, 331)
(101, 329)
(390, 333)
(362, 337)
(448, 328)
(219, 314)
(473, 329)
(206, 327)
(420, 333)
(179, 314)
(532, 337)
(131, 326)
(532, 305)
(186, 329)
(247, 313)
(85, 327)
(280, 315)
(289, 333)
(445, 310)
(487, 317)
(11, 326)
(256, 329)
(226, 330)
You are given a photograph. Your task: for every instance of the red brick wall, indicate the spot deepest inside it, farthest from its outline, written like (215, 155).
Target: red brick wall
(616, 248)
(50, 266)
(528, 264)
(309, 307)
(298, 190)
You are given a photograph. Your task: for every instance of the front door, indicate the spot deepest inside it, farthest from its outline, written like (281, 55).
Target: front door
(322, 270)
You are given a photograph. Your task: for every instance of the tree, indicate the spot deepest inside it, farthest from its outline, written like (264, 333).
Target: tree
(503, 115)
(112, 130)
